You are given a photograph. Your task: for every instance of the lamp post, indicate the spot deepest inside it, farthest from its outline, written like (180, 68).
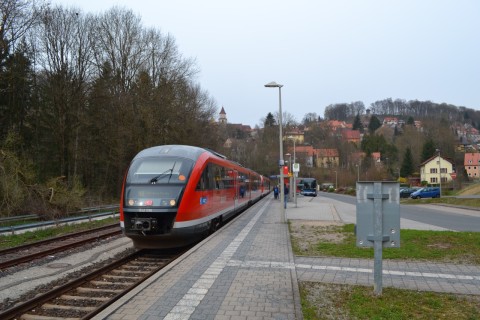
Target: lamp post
(439, 171)
(294, 175)
(336, 180)
(273, 84)
(388, 174)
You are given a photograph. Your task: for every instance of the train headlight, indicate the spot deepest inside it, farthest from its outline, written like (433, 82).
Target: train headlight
(172, 202)
(131, 202)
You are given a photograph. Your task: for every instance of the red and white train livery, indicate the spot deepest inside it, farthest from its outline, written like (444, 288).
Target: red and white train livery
(174, 195)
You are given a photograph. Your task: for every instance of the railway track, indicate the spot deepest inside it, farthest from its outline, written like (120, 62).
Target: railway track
(85, 297)
(29, 252)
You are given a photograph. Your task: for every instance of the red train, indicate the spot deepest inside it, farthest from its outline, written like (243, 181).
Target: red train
(174, 195)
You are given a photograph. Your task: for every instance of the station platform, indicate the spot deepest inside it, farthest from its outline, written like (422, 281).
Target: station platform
(247, 270)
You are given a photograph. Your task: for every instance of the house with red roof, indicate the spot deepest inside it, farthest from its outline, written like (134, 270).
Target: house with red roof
(350, 135)
(303, 155)
(327, 158)
(472, 165)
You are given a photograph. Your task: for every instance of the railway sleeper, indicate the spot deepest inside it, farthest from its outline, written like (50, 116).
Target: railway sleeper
(150, 258)
(128, 272)
(75, 298)
(139, 264)
(110, 283)
(27, 316)
(143, 263)
(49, 306)
(108, 276)
(86, 290)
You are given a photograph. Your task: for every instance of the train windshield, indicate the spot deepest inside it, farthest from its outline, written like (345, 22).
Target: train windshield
(156, 181)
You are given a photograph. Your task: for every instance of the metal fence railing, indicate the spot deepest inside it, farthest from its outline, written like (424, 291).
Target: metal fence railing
(85, 214)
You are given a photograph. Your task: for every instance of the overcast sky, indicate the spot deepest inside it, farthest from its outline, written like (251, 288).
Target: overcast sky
(323, 52)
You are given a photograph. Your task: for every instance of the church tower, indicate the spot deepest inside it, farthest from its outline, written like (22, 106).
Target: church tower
(223, 116)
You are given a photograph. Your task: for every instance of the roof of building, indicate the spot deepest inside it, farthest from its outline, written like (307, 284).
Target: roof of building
(327, 152)
(471, 158)
(305, 149)
(433, 157)
(351, 134)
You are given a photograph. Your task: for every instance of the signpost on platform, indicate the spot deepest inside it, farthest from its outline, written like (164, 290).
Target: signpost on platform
(378, 221)
(296, 170)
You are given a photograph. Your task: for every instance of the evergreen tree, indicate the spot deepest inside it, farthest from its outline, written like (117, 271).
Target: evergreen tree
(428, 150)
(357, 123)
(407, 168)
(374, 124)
(269, 120)
(16, 87)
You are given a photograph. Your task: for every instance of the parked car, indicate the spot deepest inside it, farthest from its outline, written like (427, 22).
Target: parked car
(427, 192)
(406, 192)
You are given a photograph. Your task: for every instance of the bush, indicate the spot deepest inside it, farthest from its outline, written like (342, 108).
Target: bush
(15, 176)
(19, 194)
(64, 198)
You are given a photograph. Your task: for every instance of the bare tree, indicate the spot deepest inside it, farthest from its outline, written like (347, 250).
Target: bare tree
(163, 60)
(17, 18)
(65, 54)
(121, 41)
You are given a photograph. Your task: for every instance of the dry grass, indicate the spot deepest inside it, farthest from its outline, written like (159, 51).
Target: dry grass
(470, 190)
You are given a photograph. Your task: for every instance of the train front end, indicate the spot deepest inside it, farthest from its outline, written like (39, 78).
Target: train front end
(153, 189)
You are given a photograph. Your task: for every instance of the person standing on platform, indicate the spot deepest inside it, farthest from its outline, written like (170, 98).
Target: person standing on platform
(286, 195)
(275, 192)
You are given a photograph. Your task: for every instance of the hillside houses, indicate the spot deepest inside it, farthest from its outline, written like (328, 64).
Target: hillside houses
(393, 121)
(318, 153)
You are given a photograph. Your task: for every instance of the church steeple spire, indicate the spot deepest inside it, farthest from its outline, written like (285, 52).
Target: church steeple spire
(223, 116)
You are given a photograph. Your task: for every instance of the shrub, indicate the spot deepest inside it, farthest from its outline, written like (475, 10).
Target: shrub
(15, 176)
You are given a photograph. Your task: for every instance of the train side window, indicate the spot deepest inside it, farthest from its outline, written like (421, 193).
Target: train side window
(211, 177)
(206, 181)
(201, 182)
(218, 177)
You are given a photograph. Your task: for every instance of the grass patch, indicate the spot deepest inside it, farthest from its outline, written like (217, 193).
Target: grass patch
(8, 241)
(439, 246)
(331, 301)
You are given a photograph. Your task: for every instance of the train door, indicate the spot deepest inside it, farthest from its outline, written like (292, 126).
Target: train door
(236, 187)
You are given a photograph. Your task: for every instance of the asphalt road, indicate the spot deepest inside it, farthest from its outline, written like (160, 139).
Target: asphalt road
(448, 217)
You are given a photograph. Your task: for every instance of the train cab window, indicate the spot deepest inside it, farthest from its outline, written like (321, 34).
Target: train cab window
(164, 170)
(156, 182)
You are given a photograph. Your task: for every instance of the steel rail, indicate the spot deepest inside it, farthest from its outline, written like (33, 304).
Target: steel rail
(12, 256)
(22, 309)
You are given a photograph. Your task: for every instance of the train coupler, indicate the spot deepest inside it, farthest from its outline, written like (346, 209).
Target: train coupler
(143, 224)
